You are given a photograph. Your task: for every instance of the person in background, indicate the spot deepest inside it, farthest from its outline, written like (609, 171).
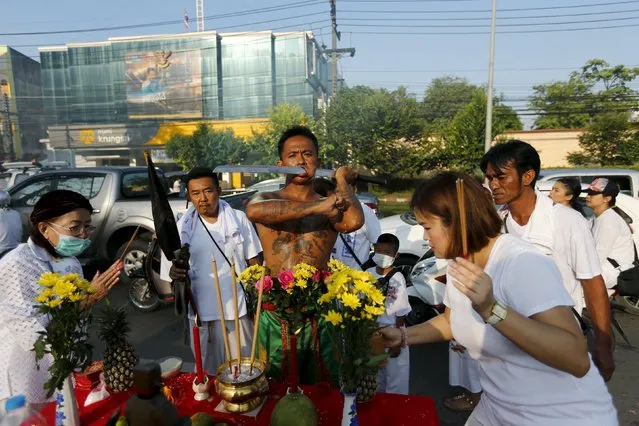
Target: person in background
(353, 249)
(60, 229)
(394, 378)
(511, 169)
(177, 185)
(10, 225)
(613, 236)
(506, 304)
(566, 191)
(213, 229)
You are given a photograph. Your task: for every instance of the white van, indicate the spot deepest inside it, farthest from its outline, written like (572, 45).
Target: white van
(627, 179)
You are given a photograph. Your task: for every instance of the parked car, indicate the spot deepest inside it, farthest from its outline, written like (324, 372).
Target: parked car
(412, 245)
(121, 199)
(627, 179)
(15, 172)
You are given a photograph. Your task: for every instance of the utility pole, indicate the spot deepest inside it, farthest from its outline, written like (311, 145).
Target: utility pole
(199, 11)
(491, 71)
(8, 130)
(334, 45)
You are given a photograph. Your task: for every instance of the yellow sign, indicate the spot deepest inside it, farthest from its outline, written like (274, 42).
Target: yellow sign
(87, 136)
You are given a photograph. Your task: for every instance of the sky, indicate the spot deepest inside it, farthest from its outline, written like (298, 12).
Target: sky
(398, 43)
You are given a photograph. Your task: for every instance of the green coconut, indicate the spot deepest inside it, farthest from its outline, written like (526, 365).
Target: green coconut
(202, 419)
(295, 409)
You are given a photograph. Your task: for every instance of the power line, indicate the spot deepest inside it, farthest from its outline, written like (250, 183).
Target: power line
(304, 3)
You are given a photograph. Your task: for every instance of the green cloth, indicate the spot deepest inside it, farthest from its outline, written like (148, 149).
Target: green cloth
(313, 342)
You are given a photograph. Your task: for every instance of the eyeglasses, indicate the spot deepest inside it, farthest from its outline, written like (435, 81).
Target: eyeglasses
(75, 230)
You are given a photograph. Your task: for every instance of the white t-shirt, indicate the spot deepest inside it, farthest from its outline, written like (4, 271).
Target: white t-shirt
(574, 249)
(202, 251)
(518, 389)
(10, 229)
(396, 304)
(360, 241)
(613, 240)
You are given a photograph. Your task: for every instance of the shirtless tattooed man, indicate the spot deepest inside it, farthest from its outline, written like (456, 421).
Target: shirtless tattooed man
(295, 225)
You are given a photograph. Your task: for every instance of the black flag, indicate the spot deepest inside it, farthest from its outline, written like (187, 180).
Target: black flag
(163, 219)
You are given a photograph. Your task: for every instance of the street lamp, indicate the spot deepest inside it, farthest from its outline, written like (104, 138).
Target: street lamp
(8, 129)
(488, 138)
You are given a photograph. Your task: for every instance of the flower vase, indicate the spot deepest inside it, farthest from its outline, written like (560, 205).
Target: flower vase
(66, 405)
(349, 412)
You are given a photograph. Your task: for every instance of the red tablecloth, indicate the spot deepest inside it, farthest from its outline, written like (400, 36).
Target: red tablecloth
(384, 410)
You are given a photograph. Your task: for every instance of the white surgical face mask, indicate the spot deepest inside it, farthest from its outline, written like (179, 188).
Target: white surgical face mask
(383, 260)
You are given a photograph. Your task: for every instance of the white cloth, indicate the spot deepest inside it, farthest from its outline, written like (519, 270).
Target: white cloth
(212, 342)
(20, 322)
(10, 230)
(518, 389)
(236, 236)
(463, 371)
(613, 240)
(395, 376)
(572, 246)
(360, 241)
(396, 303)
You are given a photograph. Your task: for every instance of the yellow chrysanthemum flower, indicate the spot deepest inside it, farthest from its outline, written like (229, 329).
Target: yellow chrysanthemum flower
(336, 266)
(333, 317)
(55, 303)
(301, 283)
(363, 286)
(49, 279)
(374, 310)
(76, 297)
(41, 299)
(350, 300)
(326, 298)
(376, 296)
(64, 288)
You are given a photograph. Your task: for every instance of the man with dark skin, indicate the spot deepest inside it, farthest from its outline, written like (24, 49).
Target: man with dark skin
(296, 225)
(512, 169)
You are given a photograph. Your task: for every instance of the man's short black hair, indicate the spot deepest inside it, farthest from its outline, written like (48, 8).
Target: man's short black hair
(202, 172)
(522, 154)
(390, 239)
(297, 131)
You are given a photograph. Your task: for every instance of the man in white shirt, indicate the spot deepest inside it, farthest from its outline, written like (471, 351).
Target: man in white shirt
(613, 236)
(215, 230)
(10, 225)
(353, 249)
(511, 169)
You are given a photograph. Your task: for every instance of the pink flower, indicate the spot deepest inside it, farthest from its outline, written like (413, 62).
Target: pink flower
(268, 284)
(286, 279)
(326, 274)
(317, 276)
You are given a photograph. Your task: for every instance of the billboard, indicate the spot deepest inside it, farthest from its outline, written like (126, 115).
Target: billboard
(164, 84)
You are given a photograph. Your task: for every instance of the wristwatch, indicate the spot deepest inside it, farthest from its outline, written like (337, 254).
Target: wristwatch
(497, 314)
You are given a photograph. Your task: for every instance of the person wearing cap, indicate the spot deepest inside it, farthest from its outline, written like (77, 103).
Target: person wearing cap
(613, 236)
(214, 230)
(10, 225)
(60, 227)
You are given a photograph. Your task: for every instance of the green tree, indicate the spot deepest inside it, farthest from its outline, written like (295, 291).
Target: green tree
(377, 129)
(444, 97)
(596, 89)
(263, 144)
(610, 140)
(206, 147)
(463, 140)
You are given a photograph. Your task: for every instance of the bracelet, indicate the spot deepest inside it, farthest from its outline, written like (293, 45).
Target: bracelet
(404, 343)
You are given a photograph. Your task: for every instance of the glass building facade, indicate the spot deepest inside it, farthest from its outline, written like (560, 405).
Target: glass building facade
(194, 76)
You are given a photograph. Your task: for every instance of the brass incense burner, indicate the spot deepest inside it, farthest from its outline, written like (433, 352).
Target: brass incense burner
(245, 393)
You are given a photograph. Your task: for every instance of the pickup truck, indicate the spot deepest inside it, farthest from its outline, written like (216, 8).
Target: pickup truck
(121, 201)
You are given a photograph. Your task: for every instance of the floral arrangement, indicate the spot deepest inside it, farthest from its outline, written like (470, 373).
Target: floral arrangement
(61, 300)
(351, 304)
(293, 293)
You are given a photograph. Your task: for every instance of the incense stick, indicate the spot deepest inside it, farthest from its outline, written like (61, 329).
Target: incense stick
(135, 233)
(256, 325)
(462, 215)
(238, 338)
(225, 335)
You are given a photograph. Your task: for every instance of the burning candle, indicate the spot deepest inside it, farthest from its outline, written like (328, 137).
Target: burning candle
(198, 353)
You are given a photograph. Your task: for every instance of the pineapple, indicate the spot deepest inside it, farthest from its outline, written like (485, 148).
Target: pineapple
(119, 356)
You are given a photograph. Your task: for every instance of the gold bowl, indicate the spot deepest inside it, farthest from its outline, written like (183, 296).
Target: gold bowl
(242, 395)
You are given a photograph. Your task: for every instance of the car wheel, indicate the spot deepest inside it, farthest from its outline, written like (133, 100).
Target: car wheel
(630, 304)
(133, 260)
(142, 297)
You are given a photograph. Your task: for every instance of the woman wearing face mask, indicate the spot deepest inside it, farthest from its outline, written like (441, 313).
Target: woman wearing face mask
(60, 228)
(508, 307)
(566, 191)
(393, 378)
